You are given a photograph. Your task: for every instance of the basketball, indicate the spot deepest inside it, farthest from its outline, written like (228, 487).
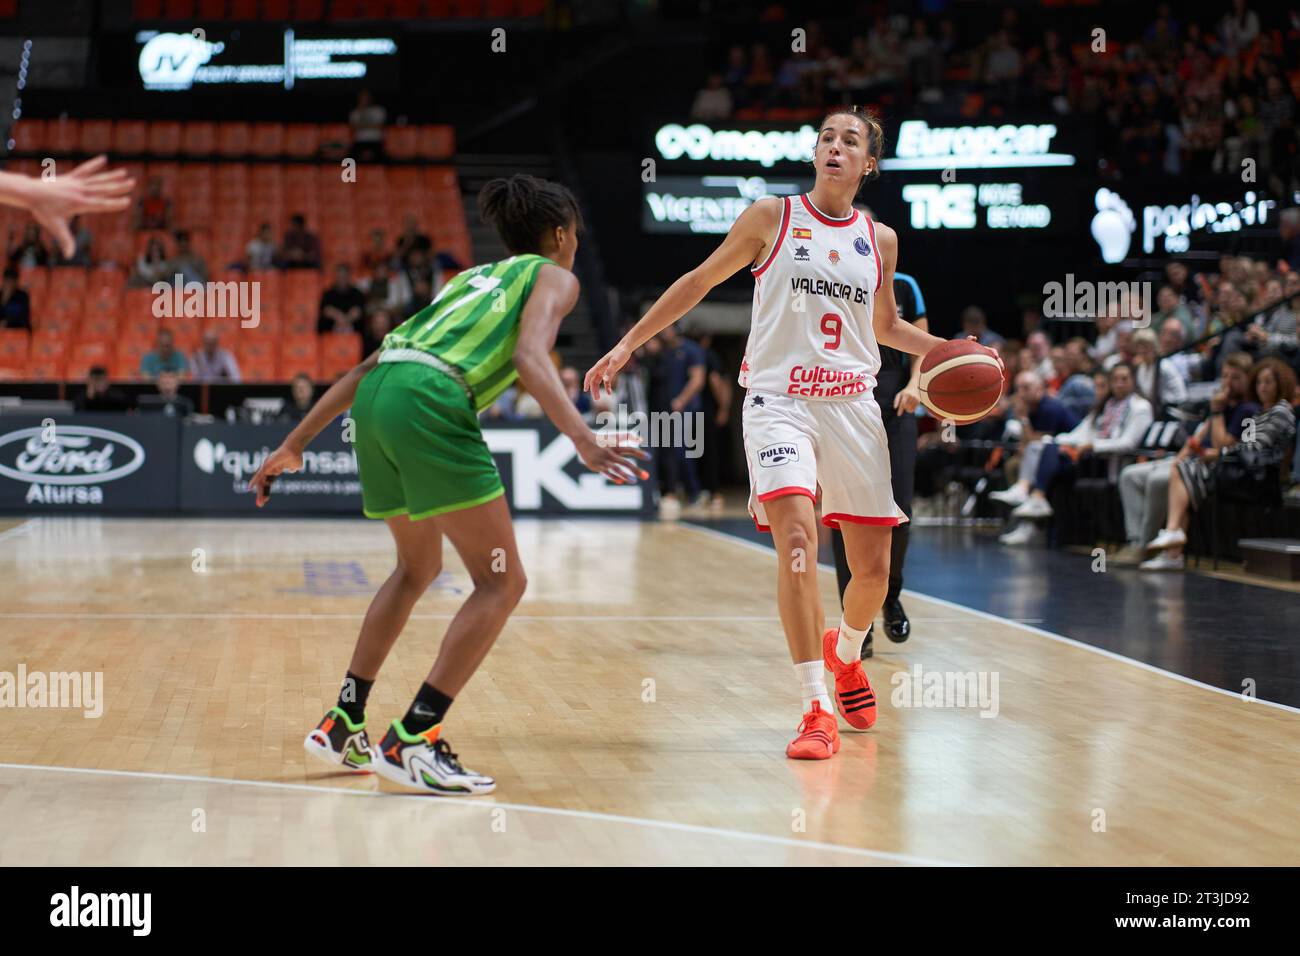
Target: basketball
(960, 381)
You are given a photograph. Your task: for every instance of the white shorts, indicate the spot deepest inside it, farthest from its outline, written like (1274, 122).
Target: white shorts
(793, 445)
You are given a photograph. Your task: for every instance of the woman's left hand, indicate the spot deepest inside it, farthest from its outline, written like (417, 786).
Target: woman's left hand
(905, 401)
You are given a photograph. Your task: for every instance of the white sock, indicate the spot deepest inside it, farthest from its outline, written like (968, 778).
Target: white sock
(812, 685)
(849, 646)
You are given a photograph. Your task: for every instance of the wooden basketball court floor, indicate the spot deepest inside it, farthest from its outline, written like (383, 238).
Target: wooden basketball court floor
(635, 711)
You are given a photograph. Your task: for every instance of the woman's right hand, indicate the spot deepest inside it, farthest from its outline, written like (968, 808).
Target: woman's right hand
(603, 373)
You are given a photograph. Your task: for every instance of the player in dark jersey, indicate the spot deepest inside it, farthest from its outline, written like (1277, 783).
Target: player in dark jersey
(426, 471)
(897, 395)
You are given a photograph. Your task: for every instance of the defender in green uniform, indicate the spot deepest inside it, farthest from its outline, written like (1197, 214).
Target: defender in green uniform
(426, 471)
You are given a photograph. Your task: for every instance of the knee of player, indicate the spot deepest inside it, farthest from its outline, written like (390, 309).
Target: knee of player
(507, 584)
(419, 576)
(872, 567)
(799, 541)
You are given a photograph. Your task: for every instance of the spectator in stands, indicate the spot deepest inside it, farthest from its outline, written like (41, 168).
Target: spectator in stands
(974, 322)
(421, 295)
(186, 262)
(30, 251)
(212, 363)
(1123, 345)
(152, 266)
(163, 358)
(1272, 331)
(302, 395)
(1288, 227)
(1143, 487)
(1187, 364)
(172, 403)
(378, 324)
(386, 289)
(1116, 426)
(713, 102)
(685, 372)
(378, 253)
(82, 241)
(301, 247)
(1040, 352)
(154, 210)
(1002, 66)
(1169, 305)
(1034, 415)
(341, 305)
(260, 252)
(1272, 386)
(1105, 343)
(572, 382)
(412, 240)
(15, 305)
(1069, 383)
(1173, 387)
(367, 120)
(100, 395)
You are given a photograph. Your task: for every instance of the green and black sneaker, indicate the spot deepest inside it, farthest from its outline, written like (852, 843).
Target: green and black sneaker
(425, 763)
(338, 741)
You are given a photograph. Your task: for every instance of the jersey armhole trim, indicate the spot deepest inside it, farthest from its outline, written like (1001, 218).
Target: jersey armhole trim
(875, 248)
(780, 237)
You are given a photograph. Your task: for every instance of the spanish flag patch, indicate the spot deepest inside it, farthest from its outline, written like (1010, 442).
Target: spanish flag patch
(798, 233)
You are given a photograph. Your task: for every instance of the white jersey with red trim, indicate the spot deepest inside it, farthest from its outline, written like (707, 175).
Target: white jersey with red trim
(814, 298)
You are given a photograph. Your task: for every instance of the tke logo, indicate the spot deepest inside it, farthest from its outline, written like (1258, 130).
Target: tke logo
(774, 455)
(103, 909)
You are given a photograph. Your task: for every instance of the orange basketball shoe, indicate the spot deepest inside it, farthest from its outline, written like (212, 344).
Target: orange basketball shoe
(819, 738)
(854, 698)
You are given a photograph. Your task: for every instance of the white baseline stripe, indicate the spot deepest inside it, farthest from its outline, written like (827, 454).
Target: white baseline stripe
(488, 804)
(17, 531)
(1059, 638)
(358, 615)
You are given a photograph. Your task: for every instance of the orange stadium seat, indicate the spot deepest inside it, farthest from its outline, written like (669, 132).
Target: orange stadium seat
(49, 345)
(130, 137)
(212, 9)
(309, 10)
(15, 346)
(298, 353)
(243, 9)
(47, 369)
(345, 10)
(62, 136)
(401, 142)
(164, 138)
(301, 139)
(276, 9)
(86, 355)
(258, 359)
(339, 351)
(29, 135)
(186, 330)
(436, 142)
(128, 355)
(98, 326)
(408, 9)
(199, 138)
(233, 139)
(96, 136)
(267, 139)
(336, 134)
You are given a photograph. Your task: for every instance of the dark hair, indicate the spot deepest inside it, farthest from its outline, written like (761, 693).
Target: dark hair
(524, 208)
(1100, 405)
(875, 132)
(11, 273)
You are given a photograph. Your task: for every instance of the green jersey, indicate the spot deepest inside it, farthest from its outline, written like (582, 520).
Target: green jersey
(473, 324)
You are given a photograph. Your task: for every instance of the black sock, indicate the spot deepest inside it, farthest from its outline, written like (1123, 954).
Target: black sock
(429, 708)
(352, 696)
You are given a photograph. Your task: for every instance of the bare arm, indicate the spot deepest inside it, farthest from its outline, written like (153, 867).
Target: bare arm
(891, 330)
(694, 385)
(745, 242)
(553, 295)
(288, 457)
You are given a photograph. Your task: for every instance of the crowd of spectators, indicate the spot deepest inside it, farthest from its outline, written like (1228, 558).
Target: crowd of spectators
(1182, 95)
(1216, 355)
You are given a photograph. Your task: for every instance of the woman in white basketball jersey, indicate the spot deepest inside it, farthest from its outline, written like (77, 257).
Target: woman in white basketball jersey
(823, 301)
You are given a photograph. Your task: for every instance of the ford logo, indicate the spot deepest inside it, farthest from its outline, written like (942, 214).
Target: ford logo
(77, 455)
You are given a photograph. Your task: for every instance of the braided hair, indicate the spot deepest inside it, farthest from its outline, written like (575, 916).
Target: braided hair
(524, 209)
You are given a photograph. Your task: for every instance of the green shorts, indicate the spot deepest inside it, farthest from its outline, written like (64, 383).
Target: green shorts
(420, 451)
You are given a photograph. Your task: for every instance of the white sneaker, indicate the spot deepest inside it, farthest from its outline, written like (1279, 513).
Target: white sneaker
(1019, 536)
(1163, 562)
(1015, 495)
(1167, 539)
(1034, 507)
(670, 508)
